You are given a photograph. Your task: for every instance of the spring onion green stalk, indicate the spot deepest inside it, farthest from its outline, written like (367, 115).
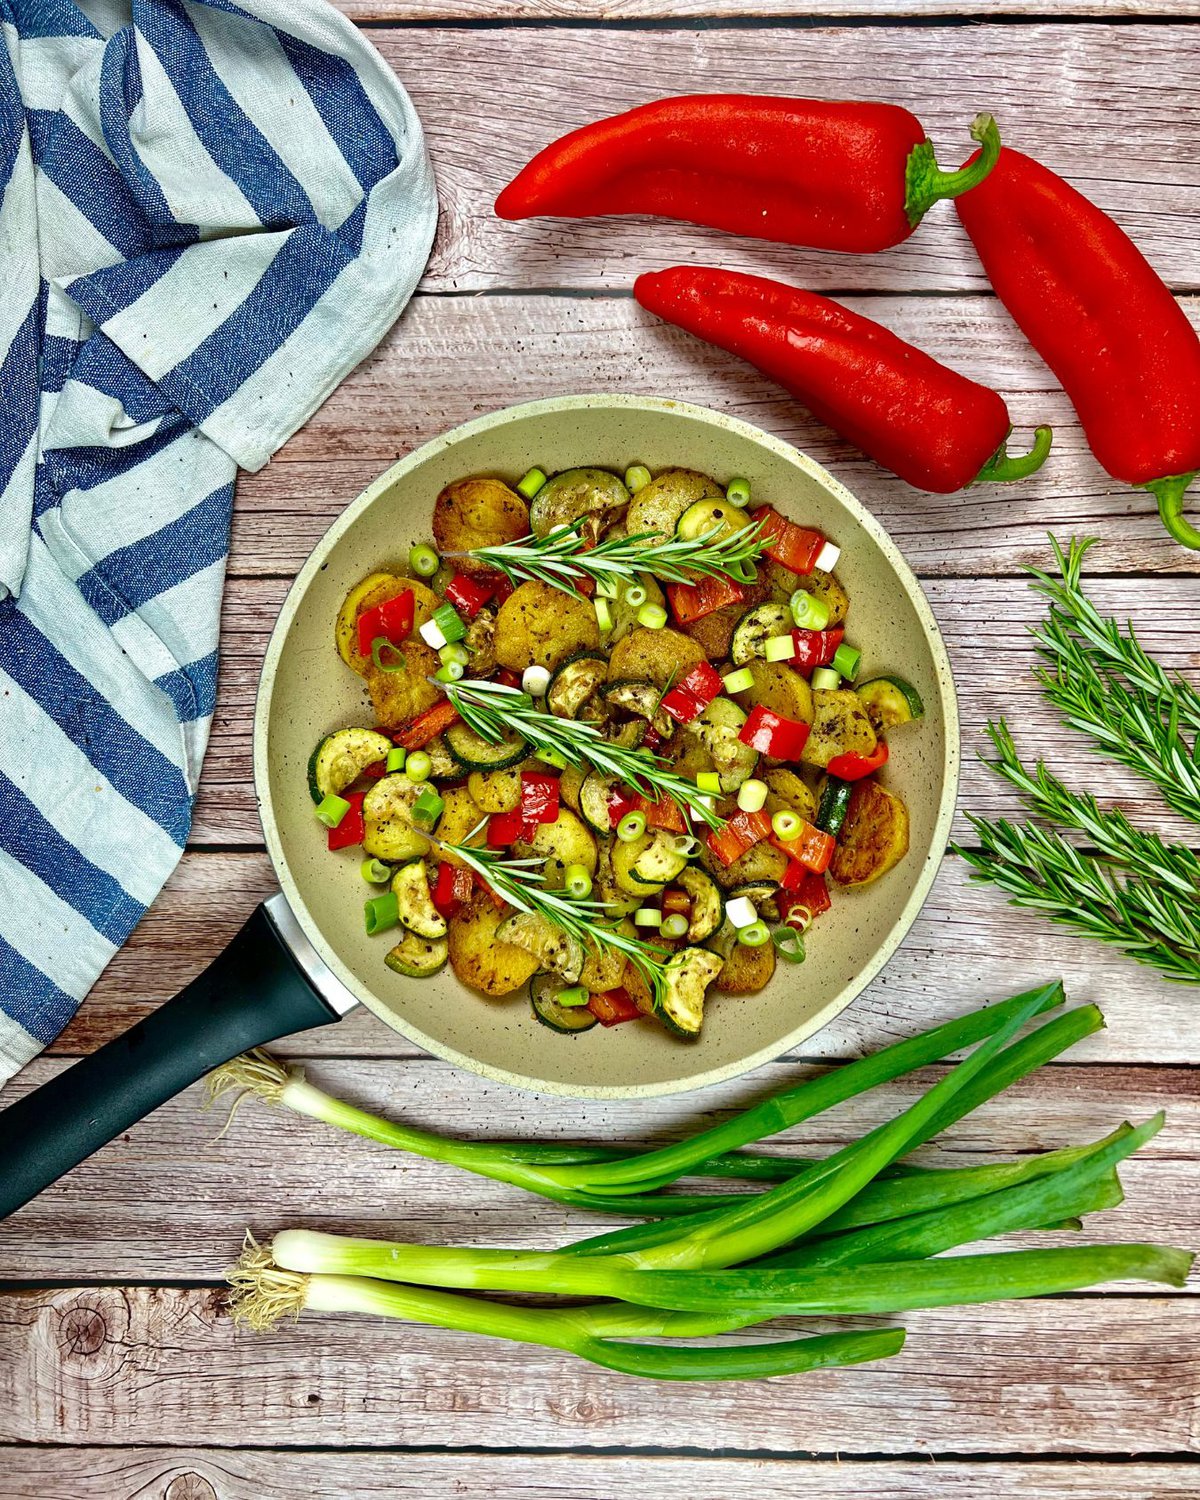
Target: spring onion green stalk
(424, 561)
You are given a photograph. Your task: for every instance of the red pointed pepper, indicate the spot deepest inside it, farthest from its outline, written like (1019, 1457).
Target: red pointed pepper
(793, 547)
(774, 734)
(693, 601)
(832, 175)
(935, 428)
(352, 829)
(814, 648)
(468, 595)
(611, 1007)
(1096, 311)
(393, 620)
(853, 767)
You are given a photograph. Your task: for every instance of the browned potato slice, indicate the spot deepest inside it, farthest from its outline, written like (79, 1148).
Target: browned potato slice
(688, 754)
(478, 959)
(496, 791)
(604, 966)
(566, 841)
(653, 656)
(746, 970)
(874, 836)
(779, 688)
(786, 790)
(658, 506)
(459, 816)
(474, 513)
(840, 727)
(826, 586)
(398, 697)
(639, 990)
(761, 862)
(541, 626)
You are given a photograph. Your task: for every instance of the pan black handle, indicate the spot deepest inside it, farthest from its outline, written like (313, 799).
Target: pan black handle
(256, 990)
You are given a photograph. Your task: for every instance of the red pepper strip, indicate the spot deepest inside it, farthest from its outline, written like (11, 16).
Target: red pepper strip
(693, 601)
(502, 589)
(741, 832)
(428, 726)
(772, 734)
(812, 848)
(539, 797)
(508, 828)
(1095, 310)
(933, 427)
(661, 814)
(688, 699)
(375, 771)
(852, 767)
(793, 547)
(611, 1007)
(352, 829)
(620, 803)
(676, 903)
(815, 648)
(835, 176)
(809, 896)
(393, 619)
(467, 594)
(451, 888)
(497, 900)
(652, 739)
(681, 705)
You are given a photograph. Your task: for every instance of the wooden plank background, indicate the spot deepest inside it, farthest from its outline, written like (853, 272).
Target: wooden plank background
(119, 1373)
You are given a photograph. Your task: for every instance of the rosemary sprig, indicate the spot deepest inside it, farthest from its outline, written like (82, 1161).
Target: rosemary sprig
(521, 882)
(490, 708)
(560, 558)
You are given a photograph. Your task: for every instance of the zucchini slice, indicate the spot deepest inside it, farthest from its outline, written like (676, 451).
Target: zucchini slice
(686, 977)
(594, 797)
(834, 804)
(417, 957)
(708, 904)
(594, 494)
(717, 729)
(553, 948)
(342, 757)
(473, 753)
(658, 863)
(890, 701)
(574, 683)
(711, 515)
(567, 1019)
(624, 855)
(410, 885)
(756, 628)
(387, 815)
(642, 699)
(442, 764)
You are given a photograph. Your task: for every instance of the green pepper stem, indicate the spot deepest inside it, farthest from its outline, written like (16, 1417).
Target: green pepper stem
(1170, 493)
(925, 182)
(1003, 468)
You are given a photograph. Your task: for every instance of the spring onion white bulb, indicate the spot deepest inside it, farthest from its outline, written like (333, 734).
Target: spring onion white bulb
(741, 911)
(535, 680)
(827, 558)
(432, 634)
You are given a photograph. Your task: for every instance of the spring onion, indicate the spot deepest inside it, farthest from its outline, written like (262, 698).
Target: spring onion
(652, 616)
(396, 759)
(738, 493)
(752, 795)
(846, 661)
(710, 782)
(637, 477)
(607, 588)
(779, 648)
(738, 681)
(635, 595)
(809, 611)
(741, 912)
(535, 680)
(332, 809)
(455, 652)
(756, 935)
(647, 916)
(419, 767)
(450, 623)
(452, 672)
(375, 872)
(395, 662)
(577, 883)
(674, 926)
(604, 621)
(428, 806)
(827, 558)
(786, 824)
(381, 912)
(530, 482)
(575, 995)
(826, 679)
(631, 827)
(424, 561)
(789, 945)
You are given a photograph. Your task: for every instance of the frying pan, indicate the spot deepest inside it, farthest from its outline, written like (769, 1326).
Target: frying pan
(303, 958)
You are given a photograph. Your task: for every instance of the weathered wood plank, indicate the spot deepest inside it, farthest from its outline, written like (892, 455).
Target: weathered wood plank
(985, 624)
(114, 1367)
(233, 1474)
(1108, 106)
(176, 1201)
(967, 947)
(742, 11)
(451, 358)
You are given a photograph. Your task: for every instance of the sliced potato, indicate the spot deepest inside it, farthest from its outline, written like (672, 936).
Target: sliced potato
(566, 841)
(398, 697)
(658, 505)
(387, 816)
(604, 966)
(840, 727)
(761, 863)
(541, 626)
(460, 815)
(777, 687)
(479, 959)
(474, 513)
(496, 791)
(653, 656)
(786, 790)
(874, 837)
(638, 990)
(826, 586)
(746, 970)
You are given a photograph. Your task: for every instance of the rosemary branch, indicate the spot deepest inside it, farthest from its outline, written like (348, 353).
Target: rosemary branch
(490, 708)
(521, 882)
(560, 557)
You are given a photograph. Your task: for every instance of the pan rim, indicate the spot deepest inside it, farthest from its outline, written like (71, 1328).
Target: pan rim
(948, 702)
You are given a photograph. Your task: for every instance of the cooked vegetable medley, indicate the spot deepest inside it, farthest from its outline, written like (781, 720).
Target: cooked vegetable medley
(620, 745)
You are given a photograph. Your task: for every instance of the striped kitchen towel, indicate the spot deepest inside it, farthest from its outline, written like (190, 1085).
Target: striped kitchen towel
(210, 213)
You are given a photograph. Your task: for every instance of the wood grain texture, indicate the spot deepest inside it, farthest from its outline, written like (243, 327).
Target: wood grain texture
(744, 11)
(176, 1200)
(967, 947)
(232, 1474)
(985, 624)
(439, 367)
(1111, 108)
(141, 1365)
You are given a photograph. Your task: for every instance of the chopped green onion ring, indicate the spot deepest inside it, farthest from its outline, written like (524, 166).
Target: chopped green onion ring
(788, 944)
(377, 646)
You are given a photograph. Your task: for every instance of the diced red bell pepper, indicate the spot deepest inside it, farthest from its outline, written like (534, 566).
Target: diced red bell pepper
(652, 739)
(502, 589)
(853, 767)
(352, 829)
(814, 648)
(393, 619)
(773, 734)
(451, 888)
(662, 813)
(688, 699)
(692, 601)
(619, 803)
(793, 547)
(539, 797)
(505, 829)
(506, 678)
(611, 1007)
(741, 832)
(468, 595)
(376, 770)
(676, 903)
(428, 726)
(808, 896)
(483, 885)
(812, 848)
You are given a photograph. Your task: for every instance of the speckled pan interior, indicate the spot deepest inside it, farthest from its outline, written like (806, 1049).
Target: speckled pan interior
(306, 692)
